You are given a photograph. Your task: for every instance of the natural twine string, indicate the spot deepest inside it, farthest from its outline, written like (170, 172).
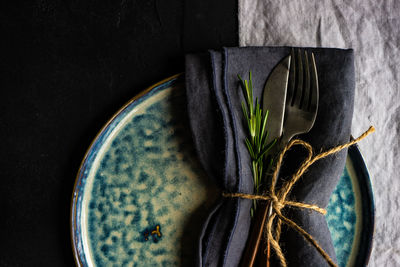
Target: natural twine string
(278, 198)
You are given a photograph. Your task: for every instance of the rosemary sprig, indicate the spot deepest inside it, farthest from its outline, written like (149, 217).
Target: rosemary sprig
(256, 142)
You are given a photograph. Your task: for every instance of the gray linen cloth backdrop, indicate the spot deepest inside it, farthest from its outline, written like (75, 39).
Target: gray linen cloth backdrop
(372, 29)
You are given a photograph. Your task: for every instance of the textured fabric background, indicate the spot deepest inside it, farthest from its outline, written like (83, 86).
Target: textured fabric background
(372, 28)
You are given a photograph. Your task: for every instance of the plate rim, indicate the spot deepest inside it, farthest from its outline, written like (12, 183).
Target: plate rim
(78, 177)
(363, 180)
(368, 206)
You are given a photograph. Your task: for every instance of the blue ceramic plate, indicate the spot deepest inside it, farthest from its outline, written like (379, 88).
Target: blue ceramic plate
(140, 194)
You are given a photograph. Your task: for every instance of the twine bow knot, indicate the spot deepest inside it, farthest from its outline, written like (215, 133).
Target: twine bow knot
(276, 204)
(279, 202)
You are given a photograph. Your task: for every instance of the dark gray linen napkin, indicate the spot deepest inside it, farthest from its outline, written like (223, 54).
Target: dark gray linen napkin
(218, 129)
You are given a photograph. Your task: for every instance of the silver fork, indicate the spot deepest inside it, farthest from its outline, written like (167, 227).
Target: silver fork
(300, 109)
(302, 97)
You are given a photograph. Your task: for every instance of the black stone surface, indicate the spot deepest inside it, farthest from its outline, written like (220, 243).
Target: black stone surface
(65, 68)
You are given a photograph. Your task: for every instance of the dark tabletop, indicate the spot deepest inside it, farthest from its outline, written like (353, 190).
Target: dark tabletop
(66, 68)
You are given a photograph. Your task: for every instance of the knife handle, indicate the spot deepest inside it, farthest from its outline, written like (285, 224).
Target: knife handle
(256, 235)
(263, 255)
(254, 252)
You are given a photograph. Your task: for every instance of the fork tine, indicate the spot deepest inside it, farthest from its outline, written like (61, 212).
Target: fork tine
(314, 86)
(296, 101)
(305, 102)
(292, 78)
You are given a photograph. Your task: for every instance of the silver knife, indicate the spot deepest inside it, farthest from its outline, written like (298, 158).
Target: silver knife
(274, 100)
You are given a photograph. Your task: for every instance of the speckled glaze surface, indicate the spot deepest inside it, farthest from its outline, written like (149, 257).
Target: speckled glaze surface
(342, 218)
(141, 196)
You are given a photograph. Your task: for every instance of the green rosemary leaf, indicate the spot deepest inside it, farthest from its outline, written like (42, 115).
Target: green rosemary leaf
(245, 111)
(268, 147)
(246, 116)
(257, 124)
(240, 78)
(252, 126)
(260, 167)
(248, 97)
(250, 148)
(264, 124)
(256, 142)
(264, 143)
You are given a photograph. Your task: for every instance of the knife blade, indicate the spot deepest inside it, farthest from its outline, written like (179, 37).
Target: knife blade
(274, 99)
